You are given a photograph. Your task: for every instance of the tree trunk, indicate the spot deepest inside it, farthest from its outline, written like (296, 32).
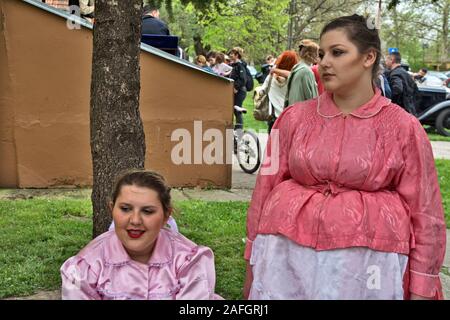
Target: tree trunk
(445, 27)
(117, 134)
(397, 28)
(199, 48)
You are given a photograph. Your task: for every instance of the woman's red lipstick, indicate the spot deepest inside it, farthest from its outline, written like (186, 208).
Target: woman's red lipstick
(135, 234)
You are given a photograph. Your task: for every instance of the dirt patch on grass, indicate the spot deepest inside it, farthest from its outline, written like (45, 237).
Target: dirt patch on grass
(24, 194)
(41, 295)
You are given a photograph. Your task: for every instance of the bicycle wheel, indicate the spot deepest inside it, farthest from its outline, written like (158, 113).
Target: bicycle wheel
(248, 152)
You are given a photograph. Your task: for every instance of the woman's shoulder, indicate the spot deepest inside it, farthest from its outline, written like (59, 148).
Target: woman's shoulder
(399, 117)
(184, 249)
(94, 250)
(296, 115)
(180, 243)
(298, 110)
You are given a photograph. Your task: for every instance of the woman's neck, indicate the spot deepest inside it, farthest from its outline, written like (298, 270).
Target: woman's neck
(304, 61)
(141, 257)
(349, 101)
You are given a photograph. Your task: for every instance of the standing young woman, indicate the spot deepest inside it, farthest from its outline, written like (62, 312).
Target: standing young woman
(278, 84)
(354, 210)
(239, 76)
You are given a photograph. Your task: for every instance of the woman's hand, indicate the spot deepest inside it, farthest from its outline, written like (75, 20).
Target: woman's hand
(417, 297)
(248, 280)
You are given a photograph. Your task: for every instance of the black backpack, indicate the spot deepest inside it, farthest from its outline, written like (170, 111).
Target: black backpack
(411, 94)
(248, 78)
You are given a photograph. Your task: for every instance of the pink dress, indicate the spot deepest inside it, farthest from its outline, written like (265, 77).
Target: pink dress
(177, 269)
(367, 179)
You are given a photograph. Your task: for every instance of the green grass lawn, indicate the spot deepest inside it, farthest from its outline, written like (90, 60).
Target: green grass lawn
(433, 136)
(39, 234)
(443, 168)
(249, 121)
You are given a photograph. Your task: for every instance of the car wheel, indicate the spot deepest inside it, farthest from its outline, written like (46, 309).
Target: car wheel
(443, 123)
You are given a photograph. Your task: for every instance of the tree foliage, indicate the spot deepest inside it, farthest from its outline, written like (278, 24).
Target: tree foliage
(258, 26)
(419, 28)
(420, 31)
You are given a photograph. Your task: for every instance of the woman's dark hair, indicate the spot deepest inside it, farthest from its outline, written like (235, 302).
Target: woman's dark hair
(365, 38)
(211, 54)
(145, 179)
(220, 58)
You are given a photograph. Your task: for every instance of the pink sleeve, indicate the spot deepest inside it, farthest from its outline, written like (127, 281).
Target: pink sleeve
(197, 276)
(273, 171)
(78, 280)
(418, 185)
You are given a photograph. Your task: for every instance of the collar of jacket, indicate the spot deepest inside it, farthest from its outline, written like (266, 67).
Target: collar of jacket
(115, 253)
(299, 66)
(327, 108)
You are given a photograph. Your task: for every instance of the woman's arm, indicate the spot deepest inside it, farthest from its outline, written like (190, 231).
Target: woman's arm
(78, 280)
(197, 276)
(280, 72)
(273, 171)
(418, 185)
(248, 280)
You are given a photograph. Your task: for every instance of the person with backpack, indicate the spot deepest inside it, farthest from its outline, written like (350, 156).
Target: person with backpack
(243, 82)
(404, 89)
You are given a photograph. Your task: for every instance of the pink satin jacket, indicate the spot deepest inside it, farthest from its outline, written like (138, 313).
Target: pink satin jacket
(177, 269)
(366, 179)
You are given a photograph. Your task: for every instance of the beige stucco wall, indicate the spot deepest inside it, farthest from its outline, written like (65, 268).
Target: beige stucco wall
(45, 98)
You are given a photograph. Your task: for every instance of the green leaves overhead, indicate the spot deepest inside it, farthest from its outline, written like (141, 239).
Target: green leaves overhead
(394, 3)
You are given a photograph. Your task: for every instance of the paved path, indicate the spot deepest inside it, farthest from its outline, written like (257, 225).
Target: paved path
(441, 149)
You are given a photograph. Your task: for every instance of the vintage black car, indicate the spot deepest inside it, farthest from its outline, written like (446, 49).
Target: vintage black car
(433, 108)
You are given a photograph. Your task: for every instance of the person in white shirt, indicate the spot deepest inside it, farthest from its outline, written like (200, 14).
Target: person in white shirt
(278, 84)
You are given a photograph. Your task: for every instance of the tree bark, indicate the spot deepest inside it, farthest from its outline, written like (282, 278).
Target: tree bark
(445, 27)
(198, 46)
(397, 27)
(117, 134)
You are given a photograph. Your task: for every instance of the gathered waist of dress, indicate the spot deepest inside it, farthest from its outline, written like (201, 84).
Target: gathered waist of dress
(329, 187)
(329, 215)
